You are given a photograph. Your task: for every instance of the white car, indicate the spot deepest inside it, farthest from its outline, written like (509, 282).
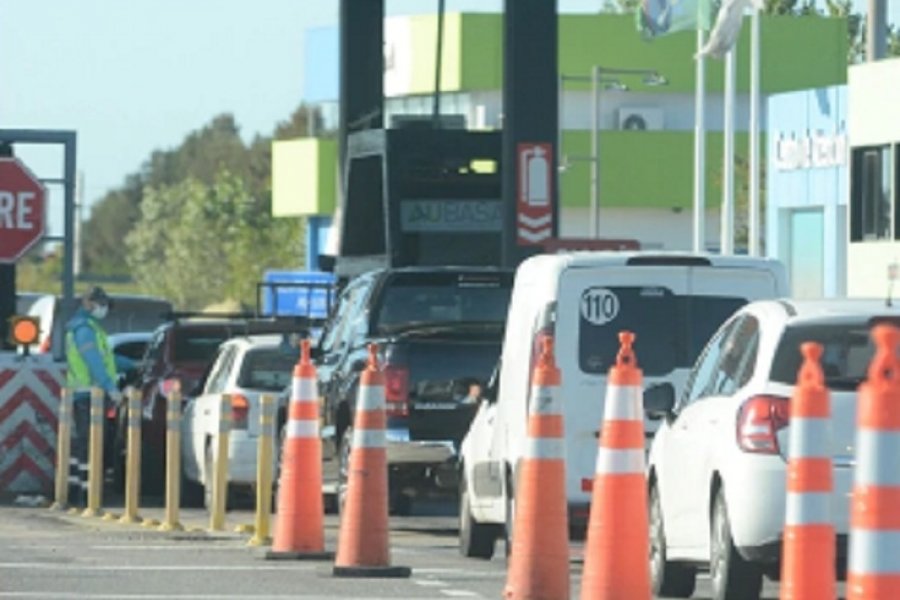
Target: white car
(717, 467)
(246, 368)
(672, 301)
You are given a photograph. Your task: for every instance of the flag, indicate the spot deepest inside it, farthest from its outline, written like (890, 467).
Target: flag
(660, 17)
(725, 32)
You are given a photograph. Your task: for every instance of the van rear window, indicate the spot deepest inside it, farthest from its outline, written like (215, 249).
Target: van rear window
(671, 329)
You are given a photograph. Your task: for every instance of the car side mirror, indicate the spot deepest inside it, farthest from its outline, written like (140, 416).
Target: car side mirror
(659, 400)
(315, 353)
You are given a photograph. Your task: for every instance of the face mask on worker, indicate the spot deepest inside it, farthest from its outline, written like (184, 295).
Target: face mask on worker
(99, 311)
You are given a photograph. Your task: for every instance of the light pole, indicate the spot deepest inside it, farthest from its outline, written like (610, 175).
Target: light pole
(651, 77)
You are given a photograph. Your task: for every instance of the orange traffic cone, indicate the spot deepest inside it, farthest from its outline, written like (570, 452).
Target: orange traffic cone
(615, 564)
(300, 527)
(874, 562)
(363, 544)
(808, 551)
(539, 561)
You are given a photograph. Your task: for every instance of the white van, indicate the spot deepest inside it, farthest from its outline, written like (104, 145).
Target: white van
(673, 302)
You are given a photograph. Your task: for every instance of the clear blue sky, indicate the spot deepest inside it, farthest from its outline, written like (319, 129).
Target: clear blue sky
(133, 76)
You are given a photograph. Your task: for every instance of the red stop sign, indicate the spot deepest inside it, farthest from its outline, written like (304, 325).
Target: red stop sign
(23, 202)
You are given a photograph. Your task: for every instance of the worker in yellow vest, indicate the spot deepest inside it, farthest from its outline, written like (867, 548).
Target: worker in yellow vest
(90, 363)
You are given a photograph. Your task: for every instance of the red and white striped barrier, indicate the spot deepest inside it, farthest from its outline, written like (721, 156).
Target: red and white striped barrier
(29, 399)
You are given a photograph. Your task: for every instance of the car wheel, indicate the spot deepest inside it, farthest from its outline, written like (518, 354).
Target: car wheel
(476, 540)
(509, 526)
(666, 578)
(400, 504)
(192, 493)
(733, 578)
(118, 465)
(344, 451)
(153, 470)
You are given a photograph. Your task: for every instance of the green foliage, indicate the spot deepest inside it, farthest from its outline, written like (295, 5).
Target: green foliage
(197, 243)
(201, 157)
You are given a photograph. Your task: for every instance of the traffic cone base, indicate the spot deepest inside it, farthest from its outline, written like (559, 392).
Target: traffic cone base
(299, 526)
(363, 539)
(617, 546)
(873, 562)
(539, 560)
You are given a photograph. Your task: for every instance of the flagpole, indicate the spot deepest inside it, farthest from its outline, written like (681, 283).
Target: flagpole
(754, 203)
(700, 144)
(727, 237)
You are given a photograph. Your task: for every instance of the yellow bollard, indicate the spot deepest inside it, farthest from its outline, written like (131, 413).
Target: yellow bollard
(264, 458)
(173, 460)
(95, 457)
(63, 450)
(133, 458)
(220, 478)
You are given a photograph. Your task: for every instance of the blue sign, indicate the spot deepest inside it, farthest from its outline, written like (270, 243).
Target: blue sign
(297, 293)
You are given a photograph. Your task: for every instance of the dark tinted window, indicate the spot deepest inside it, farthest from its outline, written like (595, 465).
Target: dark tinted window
(443, 299)
(267, 369)
(132, 350)
(197, 346)
(845, 360)
(671, 330)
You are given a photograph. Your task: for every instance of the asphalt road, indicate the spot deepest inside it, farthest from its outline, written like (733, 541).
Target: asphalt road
(49, 555)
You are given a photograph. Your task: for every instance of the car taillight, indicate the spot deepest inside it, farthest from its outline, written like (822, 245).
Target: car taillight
(759, 420)
(396, 390)
(240, 407)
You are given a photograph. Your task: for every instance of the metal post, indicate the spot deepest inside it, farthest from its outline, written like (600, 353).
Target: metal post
(95, 456)
(264, 459)
(220, 477)
(754, 203)
(173, 460)
(63, 449)
(876, 30)
(133, 458)
(438, 61)
(595, 152)
(69, 242)
(727, 237)
(700, 146)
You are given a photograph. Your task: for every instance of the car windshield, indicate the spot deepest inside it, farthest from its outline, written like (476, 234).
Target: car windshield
(267, 369)
(671, 330)
(847, 352)
(443, 300)
(198, 346)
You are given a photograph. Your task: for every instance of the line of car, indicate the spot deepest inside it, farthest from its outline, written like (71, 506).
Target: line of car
(717, 341)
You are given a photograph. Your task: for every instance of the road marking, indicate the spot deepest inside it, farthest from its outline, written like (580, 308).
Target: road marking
(83, 567)
(443, 571)
(430, 582)
(118, 596)
(461, 594)
(180, 546)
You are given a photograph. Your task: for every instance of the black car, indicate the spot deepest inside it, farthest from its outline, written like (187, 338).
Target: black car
(439, 331)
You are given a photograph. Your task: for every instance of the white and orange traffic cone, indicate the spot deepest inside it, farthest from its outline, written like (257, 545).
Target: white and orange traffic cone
(616, 565)
(300, 527)
(539, 560)
(808, 550)
(874, 561)
(363, 541)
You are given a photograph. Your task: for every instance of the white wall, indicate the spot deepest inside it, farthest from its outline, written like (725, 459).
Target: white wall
(655, 228)
(873, 119)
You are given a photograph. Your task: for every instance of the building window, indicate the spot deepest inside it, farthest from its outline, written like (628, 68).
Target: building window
(871, 200)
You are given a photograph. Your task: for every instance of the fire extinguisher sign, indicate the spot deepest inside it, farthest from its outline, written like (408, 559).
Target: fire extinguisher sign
(534, 208)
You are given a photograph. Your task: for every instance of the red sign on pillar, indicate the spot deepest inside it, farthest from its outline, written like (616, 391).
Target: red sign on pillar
(22, 206)
(534, 206)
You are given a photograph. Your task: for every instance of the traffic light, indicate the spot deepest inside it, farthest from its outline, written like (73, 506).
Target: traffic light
(24, 331)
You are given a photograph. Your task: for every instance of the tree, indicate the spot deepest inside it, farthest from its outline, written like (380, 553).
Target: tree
(201, 156)
(198, 243)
